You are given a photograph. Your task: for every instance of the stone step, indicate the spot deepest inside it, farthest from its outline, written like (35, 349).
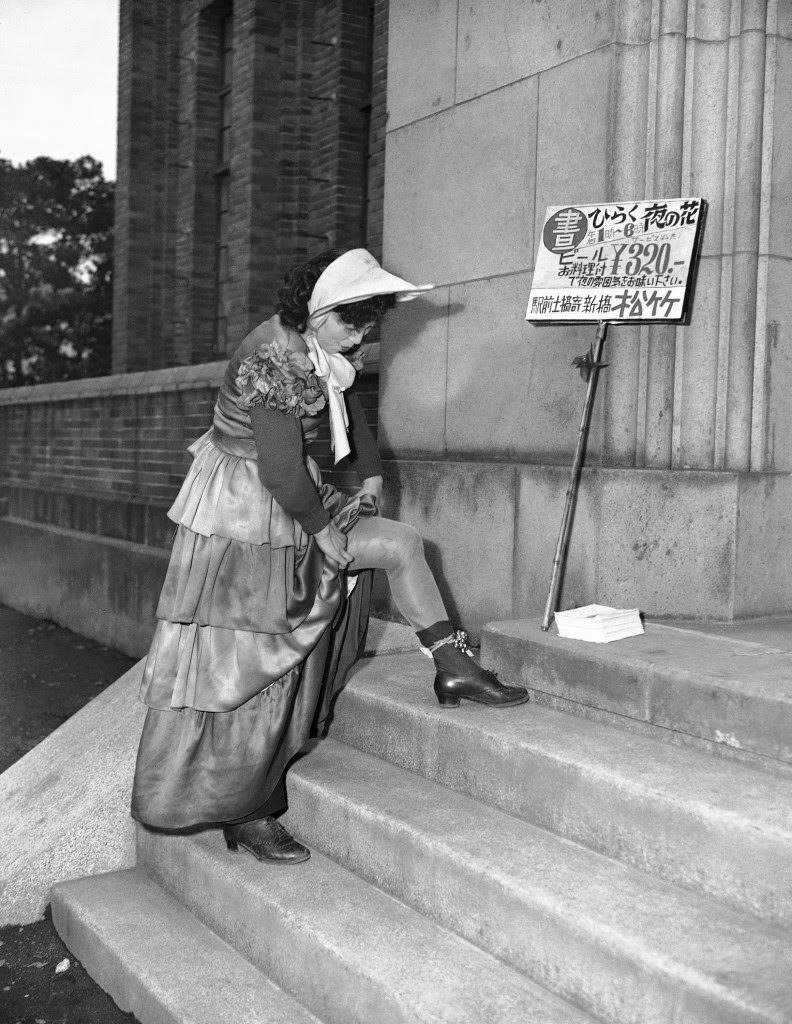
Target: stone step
(701, 822)
(158, 961)
(726, 695)
(346, 950)
(628, 948)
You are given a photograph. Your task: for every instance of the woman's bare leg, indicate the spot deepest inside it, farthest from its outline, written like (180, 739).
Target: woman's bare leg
(377, 543)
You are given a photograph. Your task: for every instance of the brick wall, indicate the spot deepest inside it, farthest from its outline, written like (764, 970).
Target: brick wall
(89, 468)
(107, 456)
(306, 169)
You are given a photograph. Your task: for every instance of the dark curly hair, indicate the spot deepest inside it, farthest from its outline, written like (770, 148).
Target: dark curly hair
(293, 296)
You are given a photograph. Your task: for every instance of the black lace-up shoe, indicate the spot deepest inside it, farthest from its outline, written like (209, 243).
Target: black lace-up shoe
(459, 677)
(267, 840)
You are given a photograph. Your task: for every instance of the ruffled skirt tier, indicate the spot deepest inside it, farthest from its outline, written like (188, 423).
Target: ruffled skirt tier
(223, 496)
(254, 636)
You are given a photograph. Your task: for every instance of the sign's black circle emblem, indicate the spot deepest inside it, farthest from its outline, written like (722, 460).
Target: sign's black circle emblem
(565, 230)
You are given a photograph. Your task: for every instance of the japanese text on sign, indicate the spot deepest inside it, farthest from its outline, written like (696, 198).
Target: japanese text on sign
(616, 261)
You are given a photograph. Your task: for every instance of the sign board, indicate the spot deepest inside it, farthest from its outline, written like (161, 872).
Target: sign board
(617, 262)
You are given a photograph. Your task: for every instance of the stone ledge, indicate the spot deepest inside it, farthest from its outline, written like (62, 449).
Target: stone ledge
(175, 378)
(728, 696)
(100, 587)
(149, 381)
(66, 803)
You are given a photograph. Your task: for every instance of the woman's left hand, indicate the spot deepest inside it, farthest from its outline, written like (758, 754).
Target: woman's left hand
(372, 485)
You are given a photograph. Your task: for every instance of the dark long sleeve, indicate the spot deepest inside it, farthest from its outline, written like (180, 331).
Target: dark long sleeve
(279, 444)
(365, 459)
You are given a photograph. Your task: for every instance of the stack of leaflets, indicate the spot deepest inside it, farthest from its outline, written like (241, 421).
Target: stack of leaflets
(598, 623)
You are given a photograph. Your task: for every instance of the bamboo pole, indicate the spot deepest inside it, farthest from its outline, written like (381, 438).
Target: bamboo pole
(574, 481)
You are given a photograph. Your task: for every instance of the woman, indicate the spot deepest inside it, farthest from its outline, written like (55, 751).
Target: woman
(258, 621)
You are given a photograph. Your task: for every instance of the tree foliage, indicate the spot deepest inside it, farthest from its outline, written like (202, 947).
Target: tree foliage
(56, 236)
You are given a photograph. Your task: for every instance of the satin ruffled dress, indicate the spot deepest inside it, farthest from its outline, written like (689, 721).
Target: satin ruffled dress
(255, 634)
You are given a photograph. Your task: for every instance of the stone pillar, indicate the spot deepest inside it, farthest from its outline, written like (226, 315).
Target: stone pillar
(300, 137)
(255, 164)
(300, 90)
(144, 217)
(694, 87)
(299, 47)
(647, 142)
(341, 94)
(497, 114)
(771, 436)
(377, 128)
(197, 130)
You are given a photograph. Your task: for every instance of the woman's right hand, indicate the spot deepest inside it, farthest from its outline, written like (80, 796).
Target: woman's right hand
(332, 542)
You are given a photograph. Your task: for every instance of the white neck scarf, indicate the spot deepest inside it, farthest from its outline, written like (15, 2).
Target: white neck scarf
(338, 373)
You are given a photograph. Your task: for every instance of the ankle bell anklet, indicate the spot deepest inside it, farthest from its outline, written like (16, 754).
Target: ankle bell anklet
(459, 679)
(459, 639)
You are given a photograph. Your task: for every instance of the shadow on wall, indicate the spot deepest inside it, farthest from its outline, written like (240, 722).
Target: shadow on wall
(417, 316)
(412, 322)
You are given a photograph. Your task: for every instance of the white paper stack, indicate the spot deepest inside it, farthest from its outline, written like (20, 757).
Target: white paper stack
(598, 623)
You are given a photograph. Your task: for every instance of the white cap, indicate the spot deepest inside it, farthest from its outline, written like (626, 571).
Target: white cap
(355, 276)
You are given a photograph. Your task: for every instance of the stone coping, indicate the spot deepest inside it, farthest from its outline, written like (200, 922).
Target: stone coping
(176, 378)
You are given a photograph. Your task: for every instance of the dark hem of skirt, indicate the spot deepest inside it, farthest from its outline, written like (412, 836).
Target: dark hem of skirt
(200, 769)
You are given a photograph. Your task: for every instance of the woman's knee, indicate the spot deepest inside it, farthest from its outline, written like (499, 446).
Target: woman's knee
(385, 544)
(408, 544)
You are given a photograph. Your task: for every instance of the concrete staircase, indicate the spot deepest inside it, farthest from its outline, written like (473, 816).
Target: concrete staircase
(724, 694)
(591, 856)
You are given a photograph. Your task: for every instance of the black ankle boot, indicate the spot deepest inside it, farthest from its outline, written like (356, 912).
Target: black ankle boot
(460, 676)
(267, 840)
